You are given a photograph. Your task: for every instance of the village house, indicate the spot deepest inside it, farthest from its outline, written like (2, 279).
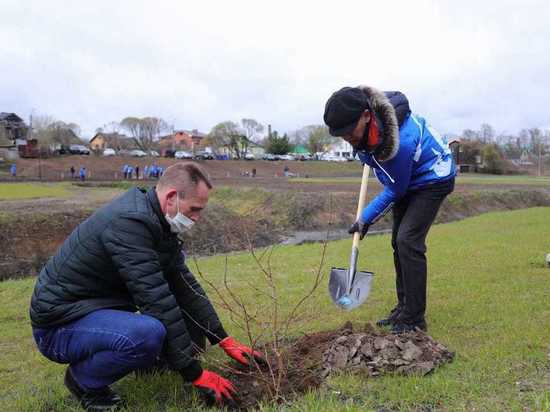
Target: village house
(181, 140)
(13, 132)
(116, 141)
(257, 150)
(12, 127)
(341, 149)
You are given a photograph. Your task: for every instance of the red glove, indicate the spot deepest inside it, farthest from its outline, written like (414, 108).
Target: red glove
(241, 353)
(214, 388)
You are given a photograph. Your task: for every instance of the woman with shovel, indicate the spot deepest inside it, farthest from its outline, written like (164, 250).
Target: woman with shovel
(416, 168)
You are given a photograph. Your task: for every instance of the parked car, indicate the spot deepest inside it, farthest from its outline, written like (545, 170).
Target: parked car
(333, 158)
(203, 155)
(304, 156)
(287, 157)
(79, 149)
(249, 156)
(137, 153)
(269, 156)
(181, 154)
(109, 152)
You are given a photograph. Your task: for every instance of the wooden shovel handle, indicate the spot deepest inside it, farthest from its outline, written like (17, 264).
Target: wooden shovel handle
(362, 199)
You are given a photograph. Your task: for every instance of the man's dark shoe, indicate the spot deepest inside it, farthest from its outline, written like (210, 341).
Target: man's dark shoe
(392, 317)
(93, 400)
(402, 327)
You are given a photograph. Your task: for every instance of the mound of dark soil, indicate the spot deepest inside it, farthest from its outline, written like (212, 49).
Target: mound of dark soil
(302, 365)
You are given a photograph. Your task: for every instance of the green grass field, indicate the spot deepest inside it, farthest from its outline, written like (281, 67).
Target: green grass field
(15, 191)
(463, 179)
(489, 293)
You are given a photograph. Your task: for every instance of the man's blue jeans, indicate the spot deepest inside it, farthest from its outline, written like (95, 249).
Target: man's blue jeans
(103, 346)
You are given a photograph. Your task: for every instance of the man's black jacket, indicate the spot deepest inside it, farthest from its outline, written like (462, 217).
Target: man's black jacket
(125, 257)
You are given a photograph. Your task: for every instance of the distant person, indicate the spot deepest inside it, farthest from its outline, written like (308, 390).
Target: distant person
(416, 168)
(117, 295)
(130, 172)
(286, 171)
(254, 172)
(13, 170)
(82, 173)
(73, 171)
(137, 172)
(125, 171)
(146, 172)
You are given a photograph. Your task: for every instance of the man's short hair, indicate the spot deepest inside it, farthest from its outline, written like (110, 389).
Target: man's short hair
(183, 177)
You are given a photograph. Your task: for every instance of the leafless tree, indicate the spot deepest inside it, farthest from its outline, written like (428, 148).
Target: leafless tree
(228, 135)
(270, 321)
(49, 131)
(317, 137)
(145, 130)
(252, 129)
(111, 127)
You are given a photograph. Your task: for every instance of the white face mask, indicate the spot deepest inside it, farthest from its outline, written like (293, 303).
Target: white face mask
(179, 223)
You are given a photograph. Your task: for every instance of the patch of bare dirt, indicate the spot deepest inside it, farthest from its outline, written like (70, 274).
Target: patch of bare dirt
(302, 365)
(29, 240)
(28, 237)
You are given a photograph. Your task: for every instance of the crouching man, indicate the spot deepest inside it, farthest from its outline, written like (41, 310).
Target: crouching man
(118, 295)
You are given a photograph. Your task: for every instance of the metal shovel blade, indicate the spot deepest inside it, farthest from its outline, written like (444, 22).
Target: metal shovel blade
(338, 286)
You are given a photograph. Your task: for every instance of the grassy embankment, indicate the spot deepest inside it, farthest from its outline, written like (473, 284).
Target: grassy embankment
(463, 179)
(13, 191)
(488, 301)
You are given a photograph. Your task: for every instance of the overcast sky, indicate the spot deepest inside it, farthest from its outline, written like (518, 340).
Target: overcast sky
(197, 63)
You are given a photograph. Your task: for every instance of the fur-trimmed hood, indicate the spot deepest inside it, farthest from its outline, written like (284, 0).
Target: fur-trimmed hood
(388, 125)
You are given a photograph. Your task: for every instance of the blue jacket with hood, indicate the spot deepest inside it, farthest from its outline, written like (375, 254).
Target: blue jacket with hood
(412, 154)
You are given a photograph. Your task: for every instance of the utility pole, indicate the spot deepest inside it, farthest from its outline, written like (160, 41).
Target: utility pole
(29, 133)
(540, 157)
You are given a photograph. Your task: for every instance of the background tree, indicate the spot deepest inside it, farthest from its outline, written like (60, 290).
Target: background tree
(252, 129)
(318, 138)
(133, 126)
(278, 145)
(493, 160)
(111, 127)
(228, 135)
(523, 139)
(469, 150)
(64, 133)
(153, 127)
(511, 150)
(49, 131)
(535, 139)
(235, 137)
(145, 131)
(470, 134)
(487, 133)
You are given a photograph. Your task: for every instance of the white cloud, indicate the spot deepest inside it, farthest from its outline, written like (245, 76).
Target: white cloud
(199, 63)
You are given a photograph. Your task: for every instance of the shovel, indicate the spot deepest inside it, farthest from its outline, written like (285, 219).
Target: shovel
(349, 288)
